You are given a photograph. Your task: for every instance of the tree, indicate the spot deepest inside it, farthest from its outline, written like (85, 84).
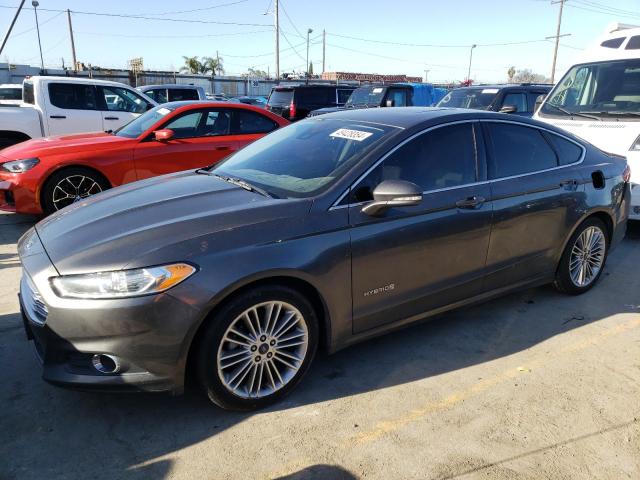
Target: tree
(310, 68)
(191, 65)
(213, 65)
(510, 73)
(255, 72)
(528, 76)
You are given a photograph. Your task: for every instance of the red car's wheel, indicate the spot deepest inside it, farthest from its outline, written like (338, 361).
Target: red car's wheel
(69, 186)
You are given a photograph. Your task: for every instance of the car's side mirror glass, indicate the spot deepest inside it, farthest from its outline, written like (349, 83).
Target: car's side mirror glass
(539, 100)
(393, 193)
(163, 135)
(508, 109)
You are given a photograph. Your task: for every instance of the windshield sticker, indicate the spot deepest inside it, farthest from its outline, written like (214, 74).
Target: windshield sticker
(163, 111)
(356, 135)
(490, 90)
(377, 90)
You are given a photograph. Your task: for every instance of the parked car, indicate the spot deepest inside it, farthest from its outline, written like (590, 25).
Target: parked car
(66, 105)
(255, 100)
(10, 94)
(45, 175)
(598, 99)
(518, 99)
(173, 92)
(392, 95)
(217, 97)
(294, 102)
(324, 233)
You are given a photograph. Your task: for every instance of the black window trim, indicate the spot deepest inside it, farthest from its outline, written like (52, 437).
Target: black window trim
(480, 157)
(96, 94)
(541, 129)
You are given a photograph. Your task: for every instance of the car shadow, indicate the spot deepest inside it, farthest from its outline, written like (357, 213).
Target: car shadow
(136, 431)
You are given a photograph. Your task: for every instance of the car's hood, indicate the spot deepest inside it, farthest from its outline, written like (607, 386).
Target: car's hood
(152, 220)
(63, 144)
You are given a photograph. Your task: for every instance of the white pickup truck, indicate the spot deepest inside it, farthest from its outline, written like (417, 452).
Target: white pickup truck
(67, 105)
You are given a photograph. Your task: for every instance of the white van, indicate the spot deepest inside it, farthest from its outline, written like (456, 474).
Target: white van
(598, 99)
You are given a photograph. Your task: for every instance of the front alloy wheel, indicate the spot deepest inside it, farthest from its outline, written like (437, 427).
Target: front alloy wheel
(257, 347)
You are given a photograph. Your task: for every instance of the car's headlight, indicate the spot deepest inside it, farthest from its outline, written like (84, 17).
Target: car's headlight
(122, 283)
(20, 166)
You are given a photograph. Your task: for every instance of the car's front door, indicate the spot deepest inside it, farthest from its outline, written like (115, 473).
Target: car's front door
(416, 259)
(201, 137)
(536, 194)
(119, 106)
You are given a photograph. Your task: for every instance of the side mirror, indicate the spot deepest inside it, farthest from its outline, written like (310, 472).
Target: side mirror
(508, 109)
(539, 100)
(163, 135)
(389, 103)
(393, 193)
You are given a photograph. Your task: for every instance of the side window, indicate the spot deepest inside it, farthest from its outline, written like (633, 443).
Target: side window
(252, 122)
(399, 97)
(343, 96)
(123, 100)
(518, 100)
(442, 158)
(313, 96)
(179, 94)
(568, 152)
(157, 94)
(185, 126)
(73, 96)
(218, 123)
(517, 149)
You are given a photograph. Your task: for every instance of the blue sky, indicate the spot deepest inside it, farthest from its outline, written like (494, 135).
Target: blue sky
(111, 41)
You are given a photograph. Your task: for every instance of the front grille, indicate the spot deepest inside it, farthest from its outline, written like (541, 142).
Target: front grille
(33, 302)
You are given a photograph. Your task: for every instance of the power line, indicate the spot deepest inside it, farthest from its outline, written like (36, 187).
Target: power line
(370, 40)
(198, 9)
(602, 12)
(290, 21)
(102, 34)
(617, 11)
(41, 24)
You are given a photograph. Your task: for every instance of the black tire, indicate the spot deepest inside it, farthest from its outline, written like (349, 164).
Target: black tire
(563, 281)
(210, 344)
(95, 181)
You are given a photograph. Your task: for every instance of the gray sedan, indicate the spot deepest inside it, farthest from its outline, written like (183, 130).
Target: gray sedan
(322, 234)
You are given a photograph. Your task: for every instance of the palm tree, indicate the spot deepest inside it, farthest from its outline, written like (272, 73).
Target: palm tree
(213, 65)
(191, 65)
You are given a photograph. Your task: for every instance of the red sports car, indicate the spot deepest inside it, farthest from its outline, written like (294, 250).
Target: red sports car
(45, 175)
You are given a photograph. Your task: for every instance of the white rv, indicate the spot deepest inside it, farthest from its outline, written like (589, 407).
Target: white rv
(598, 99)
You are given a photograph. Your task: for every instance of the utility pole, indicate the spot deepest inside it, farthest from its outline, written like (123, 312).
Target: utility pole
(13, 22)
(470, 57)
(35, 5)
(324, 48)
(309, 31)
(426, 72)
(277, 41)
(73, 45)
(555, 50)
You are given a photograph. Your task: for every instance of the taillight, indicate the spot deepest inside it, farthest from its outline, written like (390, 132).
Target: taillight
(292, 110)
(626, 175)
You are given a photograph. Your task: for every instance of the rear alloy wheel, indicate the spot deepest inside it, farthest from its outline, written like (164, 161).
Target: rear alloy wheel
(70, 186)
(584, 258)
(257, 348)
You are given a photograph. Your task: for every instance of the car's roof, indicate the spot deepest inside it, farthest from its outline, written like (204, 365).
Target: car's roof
(168, 85)
(91, 81)
(12, 85)
(506, 86)
(408, 117)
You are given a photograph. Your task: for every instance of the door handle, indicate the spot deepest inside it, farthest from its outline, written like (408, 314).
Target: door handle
(569, 184)
(470, 202)
(57, 116)
(111, 118)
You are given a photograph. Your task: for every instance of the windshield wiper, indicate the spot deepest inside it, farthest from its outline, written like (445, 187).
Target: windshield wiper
(573, 114)
(244, 184)
(616, 113)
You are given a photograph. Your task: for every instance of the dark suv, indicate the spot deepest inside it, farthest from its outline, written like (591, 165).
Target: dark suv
(294, 102)
(518, 99)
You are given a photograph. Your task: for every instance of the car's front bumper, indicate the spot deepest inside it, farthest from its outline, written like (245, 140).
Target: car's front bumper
(18, 193)
(149, 336)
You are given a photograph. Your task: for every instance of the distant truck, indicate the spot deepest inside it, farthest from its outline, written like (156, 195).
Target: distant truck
(67, 105)
(173, 92)
(392, 95)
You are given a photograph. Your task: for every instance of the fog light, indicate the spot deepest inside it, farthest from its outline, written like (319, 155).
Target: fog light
(105, 363)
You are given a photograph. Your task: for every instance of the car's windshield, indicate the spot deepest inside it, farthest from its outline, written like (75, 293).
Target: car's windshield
(139, 125)
(474, 98)
(366, 96)
(602, 89)
(10, 93)
(305, 158)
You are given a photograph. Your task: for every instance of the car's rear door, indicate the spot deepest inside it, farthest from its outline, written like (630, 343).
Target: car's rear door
(201, 137)
(72, 108)
(535, 199)
(415, 259)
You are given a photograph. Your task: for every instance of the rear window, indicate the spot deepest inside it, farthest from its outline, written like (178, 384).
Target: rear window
(252, 122)
(10, 93)
(179, 94)
(72, 96)
(280, 97)
(27, 93)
